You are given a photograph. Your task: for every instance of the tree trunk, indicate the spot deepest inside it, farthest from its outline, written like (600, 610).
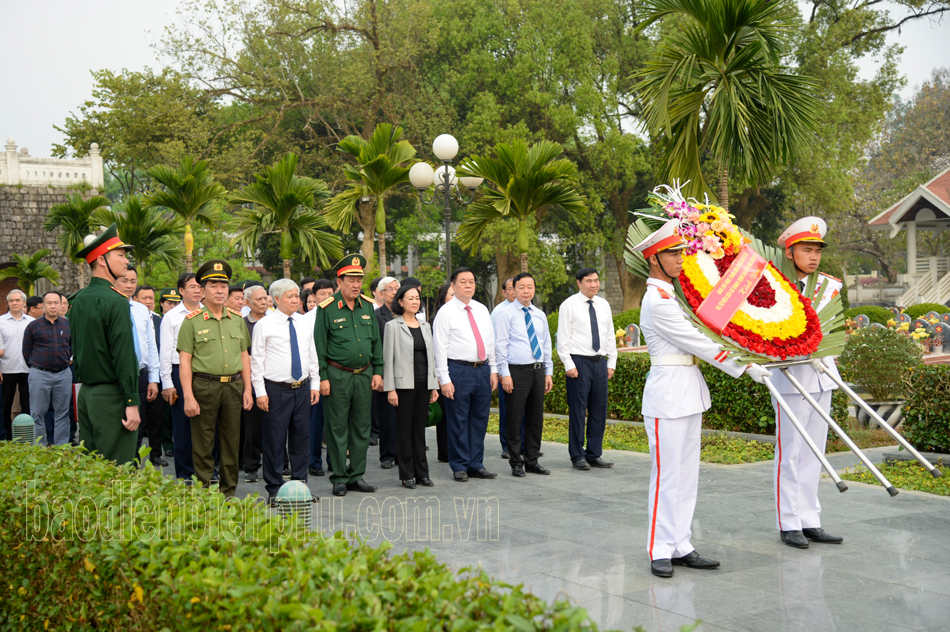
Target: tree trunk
(524, 262)
(631, 285)
(81, 278)
(505, 267)
(286, 268)
(748, 205)
(366, 217)
(724, 186)
(189, 247)
(383, 266)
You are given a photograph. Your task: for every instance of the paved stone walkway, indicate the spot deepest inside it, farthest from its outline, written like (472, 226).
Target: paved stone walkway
(582, 536)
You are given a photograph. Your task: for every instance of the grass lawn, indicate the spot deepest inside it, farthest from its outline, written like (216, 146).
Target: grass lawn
(904, 475)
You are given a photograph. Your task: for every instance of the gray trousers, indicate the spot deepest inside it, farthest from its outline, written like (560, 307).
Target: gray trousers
(50, 390)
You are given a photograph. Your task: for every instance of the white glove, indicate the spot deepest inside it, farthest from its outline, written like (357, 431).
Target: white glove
(758, 373)
(818, 365)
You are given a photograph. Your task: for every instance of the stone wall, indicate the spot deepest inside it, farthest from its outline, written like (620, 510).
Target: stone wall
(610, 283)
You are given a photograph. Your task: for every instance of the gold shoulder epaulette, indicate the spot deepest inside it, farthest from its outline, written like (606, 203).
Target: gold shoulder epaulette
(119, 292)
(235, 312)
(368, 298)
(326, 301)
(832, 278)
(194, 313)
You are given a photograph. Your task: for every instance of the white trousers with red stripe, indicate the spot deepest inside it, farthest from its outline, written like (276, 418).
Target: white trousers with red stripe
(797, 470)
(674, 449)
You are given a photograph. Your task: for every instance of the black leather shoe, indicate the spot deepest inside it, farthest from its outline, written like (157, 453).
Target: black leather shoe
(661, 568)
(695, 560)
(599, 462)
(795, 538)
(169, 453)
(536, 469)
(316, 471)
(819, 535)
(158, 461)
(517, 471)
(504, 455)
(461, 477)
(251, 477)
(409, 484)
(386, 465)
(425, 482)
(339, 489)
(581, 465)
(482, 473)
(360, 486)
(287, 474)
(374, 440)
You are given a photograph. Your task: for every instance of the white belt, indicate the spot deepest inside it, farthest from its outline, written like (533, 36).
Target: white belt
(673, 360)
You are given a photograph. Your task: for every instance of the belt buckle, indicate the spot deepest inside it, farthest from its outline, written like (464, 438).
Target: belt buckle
(296, 384)
(225, 379)
(478, 364)
(358, 371)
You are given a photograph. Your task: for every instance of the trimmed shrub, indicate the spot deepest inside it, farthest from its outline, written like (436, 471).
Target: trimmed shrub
(86, 544)
(552, 325)
(926, 414)
(918, 311)
(875, 360)
(874, 313)
(738, 405)
(629, 317)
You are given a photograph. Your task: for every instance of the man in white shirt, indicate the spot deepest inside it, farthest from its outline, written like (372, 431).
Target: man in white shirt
(286, 378)
(148, 362)
(508, 291)
(588, 350)
(14, 373)
(191, 294)
(465, 365)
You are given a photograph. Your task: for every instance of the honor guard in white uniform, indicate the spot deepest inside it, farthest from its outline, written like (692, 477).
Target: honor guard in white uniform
(674, 399)
(797, 469)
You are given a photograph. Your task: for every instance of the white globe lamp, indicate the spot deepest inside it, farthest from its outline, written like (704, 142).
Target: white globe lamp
(421, 175)
(440, 178)
(445, 147)
(471, 183)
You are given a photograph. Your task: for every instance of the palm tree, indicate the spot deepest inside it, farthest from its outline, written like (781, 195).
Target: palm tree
(381, 165)
(190, 192)
(718, 86)
(528, 181)
(154, 234)
(286, 203)
(29, 269)
(74, 219)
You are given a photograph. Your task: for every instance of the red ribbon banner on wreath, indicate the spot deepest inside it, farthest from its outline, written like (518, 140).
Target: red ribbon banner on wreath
(735, 286)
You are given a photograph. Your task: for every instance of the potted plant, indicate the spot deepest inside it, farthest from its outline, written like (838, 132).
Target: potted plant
(875, 360)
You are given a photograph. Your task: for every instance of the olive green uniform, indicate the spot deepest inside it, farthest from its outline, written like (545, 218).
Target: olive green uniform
(349, 338)
(216, 347)
(106, 366)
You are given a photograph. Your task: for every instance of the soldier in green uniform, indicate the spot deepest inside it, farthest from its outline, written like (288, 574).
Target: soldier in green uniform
(215, 376)
(104, 352)
(351, 362)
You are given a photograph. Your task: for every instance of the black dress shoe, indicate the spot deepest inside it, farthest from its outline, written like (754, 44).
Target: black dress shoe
(517, 471)
(695, 560)
(819, 535)
(316, 471)
(287, 474)
(425, 482)
(339, 489)
(169, 453)
(795, 538)
(386, 465)
(504, 454)
(461, 477)
(410, 484)
(581, 465)
(360, 486)
(599, 462)
(374, 440)
(482, 473)
(251, 477)
(536, 469)
(661, 568)
(158, 461)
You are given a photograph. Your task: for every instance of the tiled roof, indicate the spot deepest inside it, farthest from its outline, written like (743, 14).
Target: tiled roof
(939, 187)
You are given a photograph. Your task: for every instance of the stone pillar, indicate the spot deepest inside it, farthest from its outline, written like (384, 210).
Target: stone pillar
(911, 247)
(97, 179)
(12, 176)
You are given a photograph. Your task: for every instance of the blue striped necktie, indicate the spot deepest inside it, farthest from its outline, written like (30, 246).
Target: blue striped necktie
(532, 336)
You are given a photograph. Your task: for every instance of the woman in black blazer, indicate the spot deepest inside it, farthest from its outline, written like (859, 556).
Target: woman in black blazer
(410, 383)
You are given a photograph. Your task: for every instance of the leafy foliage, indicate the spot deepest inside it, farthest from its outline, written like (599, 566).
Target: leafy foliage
(74, 220)
(29, 269)
(155, 235)
(920, 310)
(926, 414)
(874, 313)
(903, 475)
(875, 359)
(628, 317)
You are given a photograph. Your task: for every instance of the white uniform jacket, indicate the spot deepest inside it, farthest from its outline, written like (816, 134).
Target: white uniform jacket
(812, 380)
(676, 391)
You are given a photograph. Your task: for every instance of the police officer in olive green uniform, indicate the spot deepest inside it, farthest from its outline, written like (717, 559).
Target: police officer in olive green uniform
(104, 352)
(215, 376)
(351, 359)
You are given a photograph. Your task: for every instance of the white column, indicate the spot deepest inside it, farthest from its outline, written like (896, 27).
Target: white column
(12, 175)
(911, 247)
(97, 181)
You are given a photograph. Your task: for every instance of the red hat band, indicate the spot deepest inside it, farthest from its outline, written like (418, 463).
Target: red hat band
(103, 249)
(662, 245)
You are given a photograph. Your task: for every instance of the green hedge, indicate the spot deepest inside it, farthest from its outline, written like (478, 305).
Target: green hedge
(917, 311)
(926, 414)
(210, 575)
(874, 313)
(739, 405)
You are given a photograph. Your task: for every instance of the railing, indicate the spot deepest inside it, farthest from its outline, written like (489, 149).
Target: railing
(930, 287)
(941, 265)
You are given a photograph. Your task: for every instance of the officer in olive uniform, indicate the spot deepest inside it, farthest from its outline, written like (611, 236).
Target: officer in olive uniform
(104, 352)
(215, 376)
(351, 360)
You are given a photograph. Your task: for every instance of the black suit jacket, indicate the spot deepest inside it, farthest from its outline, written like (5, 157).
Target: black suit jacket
(157, 321)
(383, 316)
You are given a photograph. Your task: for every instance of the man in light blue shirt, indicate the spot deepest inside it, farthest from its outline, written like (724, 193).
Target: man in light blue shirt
(523, 354)
(508, 291)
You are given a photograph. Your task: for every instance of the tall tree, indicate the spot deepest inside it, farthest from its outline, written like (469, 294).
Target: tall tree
(155, 234)
(29, 269)
(74, 219)
(718, 86)
(382, 164)
(286, 203)
(527, 182)
(190, 192)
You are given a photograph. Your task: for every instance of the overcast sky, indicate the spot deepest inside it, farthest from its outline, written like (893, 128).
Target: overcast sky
(49, 47)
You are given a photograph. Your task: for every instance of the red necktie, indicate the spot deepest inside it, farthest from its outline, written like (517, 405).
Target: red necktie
(479, 345)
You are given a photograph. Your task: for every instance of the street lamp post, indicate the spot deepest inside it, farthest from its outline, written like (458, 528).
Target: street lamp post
(445, 148)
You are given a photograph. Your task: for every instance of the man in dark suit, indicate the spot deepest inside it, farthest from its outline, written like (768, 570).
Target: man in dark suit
(386, 412)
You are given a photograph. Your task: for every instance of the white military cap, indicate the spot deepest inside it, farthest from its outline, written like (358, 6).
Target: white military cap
(810, 229)
(666, 238)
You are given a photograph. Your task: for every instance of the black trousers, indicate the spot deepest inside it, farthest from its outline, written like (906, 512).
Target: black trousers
(143, 413)
(285, 423)
(11, 381)
(152, 420)
(386, 416)
(411, 416)
(252, 437)
(587, 402)
(525, 401)
(442, 432)
(373, 420)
